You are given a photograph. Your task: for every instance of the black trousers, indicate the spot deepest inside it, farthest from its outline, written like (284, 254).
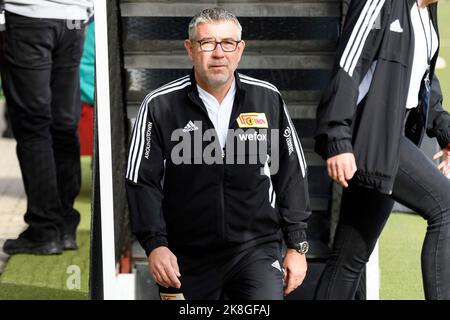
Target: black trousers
(418, 185)
(40, 75)
(252, 274)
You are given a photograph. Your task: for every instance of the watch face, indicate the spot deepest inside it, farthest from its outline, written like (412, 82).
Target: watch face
(303, 247)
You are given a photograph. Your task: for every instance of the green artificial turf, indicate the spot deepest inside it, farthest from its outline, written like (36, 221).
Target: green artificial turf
(64, 276)
(444, 30)
(400, 246)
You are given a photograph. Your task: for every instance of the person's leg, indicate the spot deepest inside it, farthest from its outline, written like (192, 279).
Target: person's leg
(256, 274)
(423, 188)
(66, 107)
(364, 213)
(26, 74)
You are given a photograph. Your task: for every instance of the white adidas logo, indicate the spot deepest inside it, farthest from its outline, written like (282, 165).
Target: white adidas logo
(190, 126)
(276, 265)
(396, 27)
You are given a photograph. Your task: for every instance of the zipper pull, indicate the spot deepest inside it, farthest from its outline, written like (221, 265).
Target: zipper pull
(427, 75)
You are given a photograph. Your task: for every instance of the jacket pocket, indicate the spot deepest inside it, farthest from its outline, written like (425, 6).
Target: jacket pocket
(396, 48)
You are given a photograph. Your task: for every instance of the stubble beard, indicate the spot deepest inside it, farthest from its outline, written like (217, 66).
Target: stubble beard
(217, 80)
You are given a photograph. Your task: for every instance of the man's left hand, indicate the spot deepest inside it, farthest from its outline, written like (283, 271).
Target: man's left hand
(444, 166)
(295, 267)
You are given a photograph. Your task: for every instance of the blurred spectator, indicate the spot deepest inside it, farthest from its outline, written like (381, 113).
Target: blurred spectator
(87, 78)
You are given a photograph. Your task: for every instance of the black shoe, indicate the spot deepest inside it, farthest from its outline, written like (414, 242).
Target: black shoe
(69, 230)
(69, 242)
(24, 245)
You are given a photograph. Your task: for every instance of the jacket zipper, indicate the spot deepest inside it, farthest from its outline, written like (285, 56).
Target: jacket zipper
(221, 220)
(233, 115)
(222, 197)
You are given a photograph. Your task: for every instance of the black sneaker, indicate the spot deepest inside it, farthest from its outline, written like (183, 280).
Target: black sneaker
(24, 245)
(69, 241)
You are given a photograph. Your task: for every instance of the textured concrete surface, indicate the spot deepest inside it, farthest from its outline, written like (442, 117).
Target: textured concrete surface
(12, 196)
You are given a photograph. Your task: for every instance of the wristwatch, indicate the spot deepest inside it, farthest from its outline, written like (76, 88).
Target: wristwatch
(301, 247)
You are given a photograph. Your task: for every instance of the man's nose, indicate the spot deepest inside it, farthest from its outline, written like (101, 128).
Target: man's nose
(218, 51)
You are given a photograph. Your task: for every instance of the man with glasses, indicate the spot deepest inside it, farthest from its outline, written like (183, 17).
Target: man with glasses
(210, 217)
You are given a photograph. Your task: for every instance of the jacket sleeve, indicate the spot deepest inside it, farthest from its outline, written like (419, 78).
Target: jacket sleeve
(144, 174)
(438, 124)
(357, 49)
(290, 182)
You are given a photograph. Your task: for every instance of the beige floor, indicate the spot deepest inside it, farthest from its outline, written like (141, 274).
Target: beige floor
(12, 196)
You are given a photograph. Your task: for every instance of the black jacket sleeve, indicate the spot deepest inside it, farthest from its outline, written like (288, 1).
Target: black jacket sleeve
(438, 124)
(145, 172)
(290, 182)
(358, 47)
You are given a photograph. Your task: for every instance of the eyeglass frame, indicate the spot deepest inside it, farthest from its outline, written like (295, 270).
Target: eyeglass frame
(217, 43)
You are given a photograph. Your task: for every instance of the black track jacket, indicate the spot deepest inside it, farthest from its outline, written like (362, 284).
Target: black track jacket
(376, 31)
(205, 207)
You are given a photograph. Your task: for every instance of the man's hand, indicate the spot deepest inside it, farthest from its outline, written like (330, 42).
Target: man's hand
(164, 267)
(295, 270)
(341, 168)
(444, 166)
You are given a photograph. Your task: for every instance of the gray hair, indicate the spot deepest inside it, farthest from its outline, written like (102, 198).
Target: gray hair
(212, 15)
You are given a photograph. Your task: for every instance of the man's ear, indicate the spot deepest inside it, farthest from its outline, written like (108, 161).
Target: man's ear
(242, 45)
(189, 48)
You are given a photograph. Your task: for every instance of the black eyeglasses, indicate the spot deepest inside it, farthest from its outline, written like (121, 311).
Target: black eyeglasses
(226, 45)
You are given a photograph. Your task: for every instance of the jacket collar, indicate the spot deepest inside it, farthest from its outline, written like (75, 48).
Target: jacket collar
(238, 100)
